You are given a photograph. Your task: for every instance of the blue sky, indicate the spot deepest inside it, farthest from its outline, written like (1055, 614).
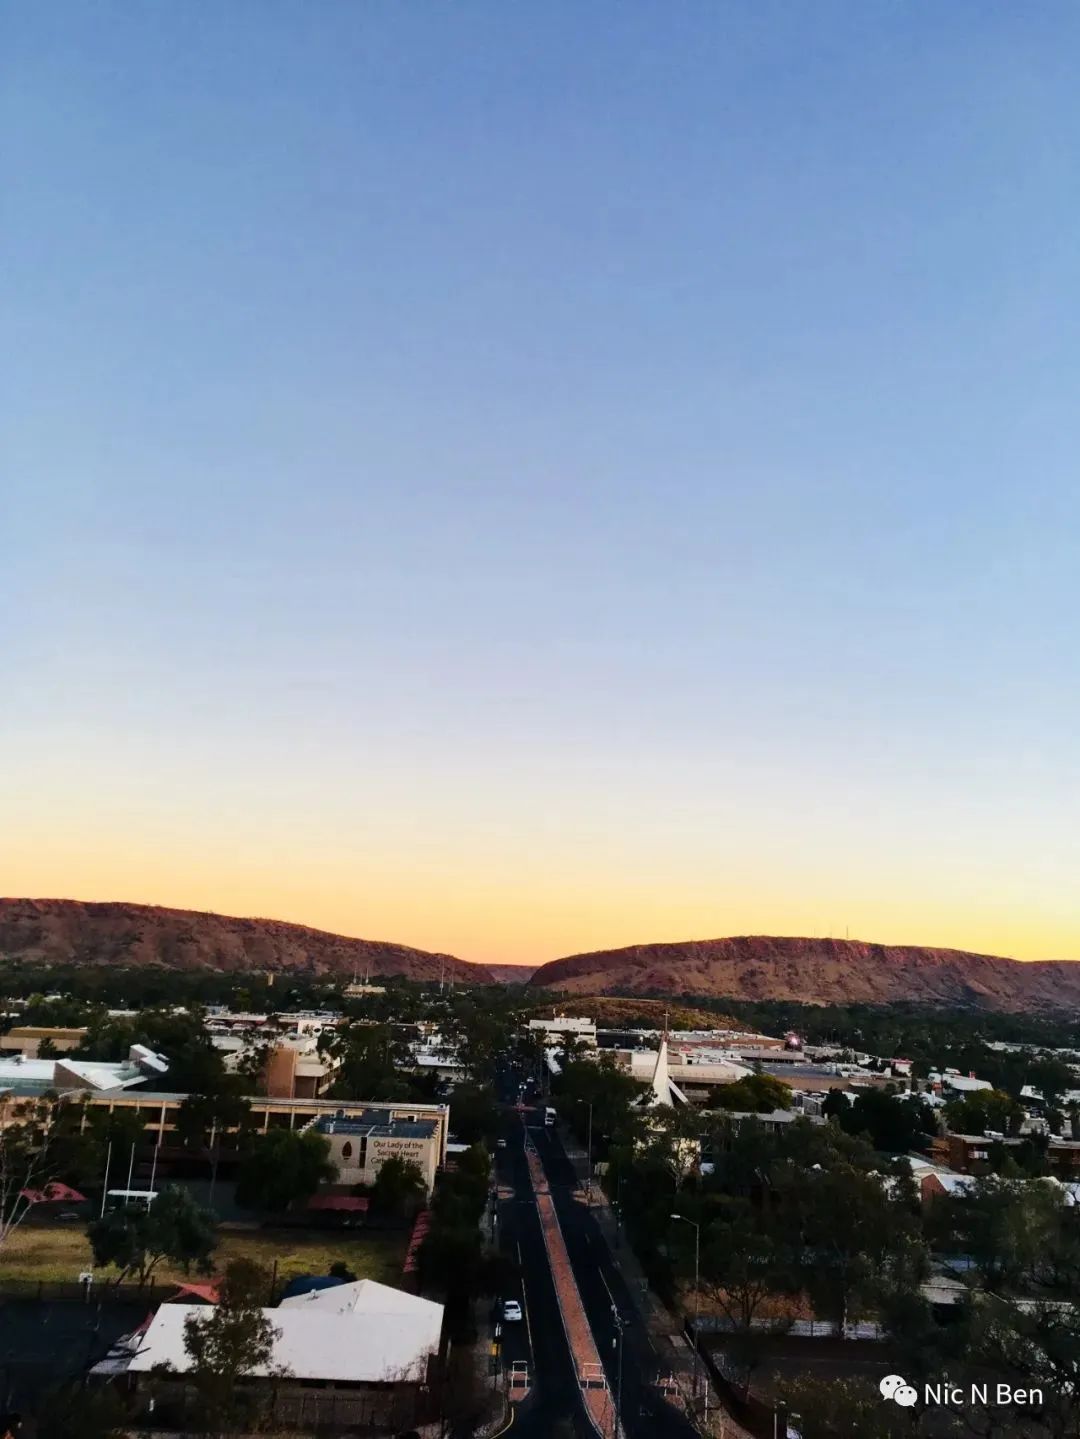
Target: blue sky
(523, 478)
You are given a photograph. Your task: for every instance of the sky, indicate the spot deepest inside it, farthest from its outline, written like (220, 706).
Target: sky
(523, 479)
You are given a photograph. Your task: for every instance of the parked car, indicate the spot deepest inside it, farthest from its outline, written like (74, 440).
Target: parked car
(511, 1311)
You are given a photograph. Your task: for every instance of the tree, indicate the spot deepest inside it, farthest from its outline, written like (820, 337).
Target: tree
(836, 1104)
(745, 1264)
(1009, 1227)
(400, 1188)
(1052, 1077)
(450, 1258)
(1034, 1346)
(842, 1409)
(983, 1112)
(203, 1118)
(282, 1168)
(229, 1341)
(195, 1066)
(847, 1225)
(474, 1115)
(136, 1238)
(74, 1411)
(373, 1063)
(756, 1094)
(612, 1095)
(892, 1123)
(29, 1159)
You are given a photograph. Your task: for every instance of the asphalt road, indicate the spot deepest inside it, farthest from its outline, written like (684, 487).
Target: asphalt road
(555, 1393)
(645, 1414)
(540, 1340)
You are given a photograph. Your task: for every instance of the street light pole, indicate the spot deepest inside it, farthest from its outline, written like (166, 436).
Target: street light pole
(617, 1344)
(697, 1289)
(588, 1178)
(618, 1340)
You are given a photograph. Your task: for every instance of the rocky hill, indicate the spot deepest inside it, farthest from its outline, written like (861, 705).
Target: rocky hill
(511, 973)
(610, 1012)
(62, 931)
(817, 971)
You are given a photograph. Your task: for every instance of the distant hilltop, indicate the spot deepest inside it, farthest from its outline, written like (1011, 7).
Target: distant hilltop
(511, 973)
(817, 971)
(65, 931)
(749, 967)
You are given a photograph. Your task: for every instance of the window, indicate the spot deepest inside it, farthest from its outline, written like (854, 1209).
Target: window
(346, 1150)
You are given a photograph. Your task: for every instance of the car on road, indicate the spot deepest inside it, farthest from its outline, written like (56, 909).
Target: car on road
(511, 1311)
(500, 1144)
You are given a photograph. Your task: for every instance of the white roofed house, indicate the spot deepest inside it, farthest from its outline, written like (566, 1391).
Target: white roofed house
(354, 1354)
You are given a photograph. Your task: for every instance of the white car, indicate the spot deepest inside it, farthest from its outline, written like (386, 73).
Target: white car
(511, 1311)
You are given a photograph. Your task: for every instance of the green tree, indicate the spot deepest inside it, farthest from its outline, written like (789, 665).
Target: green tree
(474, 1115)
(984, 1111)
(373, 1063)
(892, 1123)
(203, 1118)
(755, 1094)
(746, 1265)
(450, 1258)
(1034, 1346)
(31, 1156)
(1052, 1077)
(229, 1341)
(848, 1226)
(1008, 1227)
(74, 1411)
(136, 1238)
(283, 1167)
(399, 1189)
(842, 1409)
(612, 1095)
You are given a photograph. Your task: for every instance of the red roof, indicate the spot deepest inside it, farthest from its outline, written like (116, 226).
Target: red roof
(54, 1193)
(209, 1293)
(347, 1203)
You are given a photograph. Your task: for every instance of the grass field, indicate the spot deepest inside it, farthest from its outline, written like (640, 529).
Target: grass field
(54, 1253)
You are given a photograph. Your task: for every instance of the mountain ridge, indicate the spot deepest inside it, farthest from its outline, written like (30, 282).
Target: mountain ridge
(118, 932)
(817, 971)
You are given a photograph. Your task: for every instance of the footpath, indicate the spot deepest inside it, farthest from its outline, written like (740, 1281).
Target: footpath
(579, 1335)
(674, 1353)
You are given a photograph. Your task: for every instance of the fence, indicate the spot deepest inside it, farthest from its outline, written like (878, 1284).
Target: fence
(71, 1292)
(309, 1411)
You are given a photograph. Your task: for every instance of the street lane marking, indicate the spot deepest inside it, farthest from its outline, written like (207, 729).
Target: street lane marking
(528, 1325)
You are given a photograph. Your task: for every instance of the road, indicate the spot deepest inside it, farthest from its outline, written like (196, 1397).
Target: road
(644, 1413)
(539, 1339)
(555, 1393)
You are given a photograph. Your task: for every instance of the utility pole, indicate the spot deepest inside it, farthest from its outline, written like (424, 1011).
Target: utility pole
(617, 1343)
(588, 1176)
(697, 1289)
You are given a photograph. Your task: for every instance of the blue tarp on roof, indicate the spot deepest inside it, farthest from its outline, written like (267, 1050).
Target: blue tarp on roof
(308, 1283)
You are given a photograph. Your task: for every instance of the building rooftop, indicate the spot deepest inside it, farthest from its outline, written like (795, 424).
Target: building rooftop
(44, 1031)
(381, 1337)
(398, 1129)
(19, 1075)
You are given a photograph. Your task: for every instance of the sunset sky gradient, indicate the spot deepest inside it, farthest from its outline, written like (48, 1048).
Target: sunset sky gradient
(518, 479)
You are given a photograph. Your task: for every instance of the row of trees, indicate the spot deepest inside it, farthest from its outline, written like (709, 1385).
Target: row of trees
(816, 1220)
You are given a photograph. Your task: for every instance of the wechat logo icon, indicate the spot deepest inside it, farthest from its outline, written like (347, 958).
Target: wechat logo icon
(896, 1388)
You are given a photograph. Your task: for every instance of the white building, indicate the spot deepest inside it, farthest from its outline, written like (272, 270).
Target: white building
(567, 1026)
(352, 1334)
(26, 1078)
